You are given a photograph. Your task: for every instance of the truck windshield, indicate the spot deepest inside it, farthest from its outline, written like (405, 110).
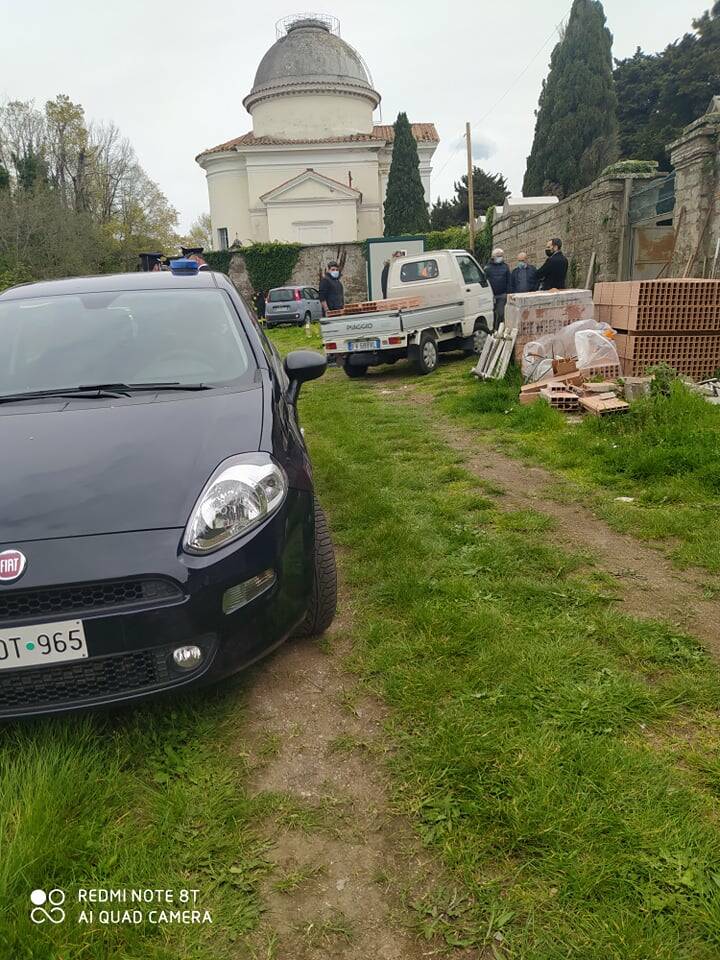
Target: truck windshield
(280, 296)
(131, 336)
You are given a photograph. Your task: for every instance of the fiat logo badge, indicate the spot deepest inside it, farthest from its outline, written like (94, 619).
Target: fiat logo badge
(12, 565)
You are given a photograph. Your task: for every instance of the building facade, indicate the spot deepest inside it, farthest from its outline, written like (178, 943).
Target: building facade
(314, 168)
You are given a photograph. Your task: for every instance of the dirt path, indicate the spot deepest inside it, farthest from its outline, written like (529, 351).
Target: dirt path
(342, 860)
(648, 584)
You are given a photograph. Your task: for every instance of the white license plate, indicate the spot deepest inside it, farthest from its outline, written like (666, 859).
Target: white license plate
(48, 643)
(282, 308)
(364, 345)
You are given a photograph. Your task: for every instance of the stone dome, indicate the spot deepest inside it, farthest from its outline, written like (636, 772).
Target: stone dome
(310, 58)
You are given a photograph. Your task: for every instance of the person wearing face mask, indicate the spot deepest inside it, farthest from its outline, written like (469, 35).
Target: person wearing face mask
(553, 273)
(524, 276)
(332, 294)
(498, 273)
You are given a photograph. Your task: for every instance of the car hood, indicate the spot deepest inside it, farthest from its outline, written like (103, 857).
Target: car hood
(90, 467)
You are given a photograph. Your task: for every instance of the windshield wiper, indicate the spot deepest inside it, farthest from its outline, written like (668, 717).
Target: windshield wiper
(111, 391)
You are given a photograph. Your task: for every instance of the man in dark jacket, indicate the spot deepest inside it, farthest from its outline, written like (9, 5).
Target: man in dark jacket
(384, 278)
(524, 276)
(332, 294)
(553, 273)
(498, 273)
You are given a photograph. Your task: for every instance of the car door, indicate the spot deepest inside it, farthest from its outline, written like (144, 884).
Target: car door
(478, 295)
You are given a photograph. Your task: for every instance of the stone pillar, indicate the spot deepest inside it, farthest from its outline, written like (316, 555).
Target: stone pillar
(696, 158)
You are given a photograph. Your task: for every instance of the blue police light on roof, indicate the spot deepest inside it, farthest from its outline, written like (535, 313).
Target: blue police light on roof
(184, 266)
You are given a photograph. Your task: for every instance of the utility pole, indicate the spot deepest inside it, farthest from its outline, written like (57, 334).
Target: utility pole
(471, 198)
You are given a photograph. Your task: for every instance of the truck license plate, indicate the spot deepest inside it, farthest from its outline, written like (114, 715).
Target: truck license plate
(48, 643)
(364, 345)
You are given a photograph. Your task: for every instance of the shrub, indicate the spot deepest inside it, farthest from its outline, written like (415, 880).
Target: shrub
(9, 276)
(625, 167)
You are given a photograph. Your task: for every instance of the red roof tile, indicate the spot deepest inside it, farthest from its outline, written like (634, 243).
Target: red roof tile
(424, 132)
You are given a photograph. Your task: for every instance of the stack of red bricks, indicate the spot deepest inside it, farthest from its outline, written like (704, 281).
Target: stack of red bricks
(676, 322)
(376, 306)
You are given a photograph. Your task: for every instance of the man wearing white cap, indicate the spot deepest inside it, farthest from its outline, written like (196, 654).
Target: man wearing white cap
(498, 273)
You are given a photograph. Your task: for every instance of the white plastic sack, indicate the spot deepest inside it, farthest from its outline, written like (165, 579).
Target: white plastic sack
(594, 349)
(537, 359)
(565, 338)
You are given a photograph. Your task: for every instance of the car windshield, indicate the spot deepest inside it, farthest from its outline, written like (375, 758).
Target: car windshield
(281, 296)
(129, 337)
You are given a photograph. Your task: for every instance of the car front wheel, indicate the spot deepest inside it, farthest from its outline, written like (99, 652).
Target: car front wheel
(323, 602)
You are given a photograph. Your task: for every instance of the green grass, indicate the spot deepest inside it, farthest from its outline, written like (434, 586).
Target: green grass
(665, 454)
(153, 798)
(532, 723)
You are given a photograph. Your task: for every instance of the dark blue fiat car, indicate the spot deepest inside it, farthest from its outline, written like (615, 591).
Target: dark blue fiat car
(158, 525)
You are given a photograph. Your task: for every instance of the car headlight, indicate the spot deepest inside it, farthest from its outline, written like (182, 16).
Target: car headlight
(242, 492)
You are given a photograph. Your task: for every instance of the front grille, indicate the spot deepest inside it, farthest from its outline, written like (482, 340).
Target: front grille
(86, 599)
(85, 681)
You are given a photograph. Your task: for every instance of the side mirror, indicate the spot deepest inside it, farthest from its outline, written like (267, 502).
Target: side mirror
(301, 366)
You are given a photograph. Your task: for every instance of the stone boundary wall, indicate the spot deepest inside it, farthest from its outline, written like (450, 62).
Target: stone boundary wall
(594, 219)
(311, 264)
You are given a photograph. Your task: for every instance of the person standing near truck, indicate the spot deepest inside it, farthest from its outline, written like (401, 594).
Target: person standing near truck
(524, 276)
(332, 293)
(498, 273)
(553, 273)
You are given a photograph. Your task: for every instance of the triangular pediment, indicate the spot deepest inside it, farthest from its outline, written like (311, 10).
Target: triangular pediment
(310, 186)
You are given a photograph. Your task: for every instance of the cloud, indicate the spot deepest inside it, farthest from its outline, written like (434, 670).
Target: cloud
(483, 147)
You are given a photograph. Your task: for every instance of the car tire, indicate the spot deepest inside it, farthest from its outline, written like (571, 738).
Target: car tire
(424, 355)
(323, 603)
(354, 372)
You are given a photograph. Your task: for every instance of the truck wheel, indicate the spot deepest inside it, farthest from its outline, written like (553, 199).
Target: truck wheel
(424, 355)
(473, 346)
(354, 372)
(323, 602)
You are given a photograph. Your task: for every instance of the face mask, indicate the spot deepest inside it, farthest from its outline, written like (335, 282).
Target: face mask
(549, 251)
(335, 274)
(522, 264)
(498, 259)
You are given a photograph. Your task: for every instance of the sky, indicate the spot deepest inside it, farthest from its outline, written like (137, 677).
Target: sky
(172, 76)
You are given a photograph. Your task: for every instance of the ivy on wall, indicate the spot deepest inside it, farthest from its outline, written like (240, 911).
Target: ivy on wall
(268, 264)
(218, 260)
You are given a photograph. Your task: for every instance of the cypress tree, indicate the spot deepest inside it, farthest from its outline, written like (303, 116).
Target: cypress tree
(406, 209)
(576, 132)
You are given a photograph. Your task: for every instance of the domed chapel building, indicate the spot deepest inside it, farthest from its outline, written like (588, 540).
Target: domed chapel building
(314, 168)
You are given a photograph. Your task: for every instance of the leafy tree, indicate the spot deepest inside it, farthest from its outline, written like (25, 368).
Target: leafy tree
(489, 190)
(200, 233)
(73, 196)
(660, 94)
(576, 132)
(444, 214)
(405, 206)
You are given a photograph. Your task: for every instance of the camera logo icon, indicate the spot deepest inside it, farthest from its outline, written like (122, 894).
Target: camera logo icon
(47, 907)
